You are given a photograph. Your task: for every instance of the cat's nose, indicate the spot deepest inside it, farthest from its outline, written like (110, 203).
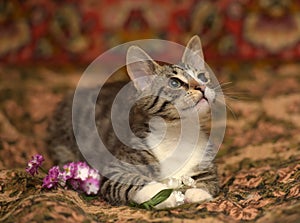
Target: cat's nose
(195, 85)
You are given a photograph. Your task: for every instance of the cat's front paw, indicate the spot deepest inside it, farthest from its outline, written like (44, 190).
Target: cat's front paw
(196, 195)
(147, 192)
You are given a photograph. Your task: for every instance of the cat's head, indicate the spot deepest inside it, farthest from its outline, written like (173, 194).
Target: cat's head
(172, 91)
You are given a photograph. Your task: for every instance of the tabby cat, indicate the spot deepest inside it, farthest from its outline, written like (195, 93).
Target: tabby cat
(172, 93)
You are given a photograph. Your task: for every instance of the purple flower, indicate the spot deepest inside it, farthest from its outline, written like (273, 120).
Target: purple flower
(90, 186)
(82, 171)
(34, 164)
(94, 174)
(52, 179)
(62, 179)
(75, 184)
(79, 176)
(84, 178)
(69, 170)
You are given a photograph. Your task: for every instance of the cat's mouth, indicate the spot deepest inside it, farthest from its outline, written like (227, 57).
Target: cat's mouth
(201, 101)
(203, 98)
(198, 104)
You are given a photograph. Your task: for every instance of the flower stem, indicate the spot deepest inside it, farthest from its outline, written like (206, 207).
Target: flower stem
(43, 170)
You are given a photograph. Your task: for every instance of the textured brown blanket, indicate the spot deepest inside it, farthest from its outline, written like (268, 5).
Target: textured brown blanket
(259, 162)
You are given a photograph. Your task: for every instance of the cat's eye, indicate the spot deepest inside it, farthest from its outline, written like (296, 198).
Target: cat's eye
(174, 83)
(201, 76)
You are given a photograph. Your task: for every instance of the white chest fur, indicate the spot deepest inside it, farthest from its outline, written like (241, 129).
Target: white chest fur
(179, 153)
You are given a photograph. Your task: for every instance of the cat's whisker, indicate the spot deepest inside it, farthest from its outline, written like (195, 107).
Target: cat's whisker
(228, 107)
(237, 97)
(222, 85)
(227, 91)
(225, 83)
(231, 111)
(223, 89)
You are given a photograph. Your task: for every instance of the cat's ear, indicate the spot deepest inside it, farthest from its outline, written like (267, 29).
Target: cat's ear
(193, 54)
(140, 67)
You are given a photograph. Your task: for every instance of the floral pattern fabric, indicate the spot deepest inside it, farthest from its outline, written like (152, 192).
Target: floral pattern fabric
(54, 32)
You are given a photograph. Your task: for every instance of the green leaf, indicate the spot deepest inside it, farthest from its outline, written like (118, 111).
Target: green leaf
(88, 197)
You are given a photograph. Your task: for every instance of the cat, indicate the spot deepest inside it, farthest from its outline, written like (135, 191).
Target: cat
(171, 92)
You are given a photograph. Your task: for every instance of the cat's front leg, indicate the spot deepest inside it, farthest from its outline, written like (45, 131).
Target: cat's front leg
(148, 191)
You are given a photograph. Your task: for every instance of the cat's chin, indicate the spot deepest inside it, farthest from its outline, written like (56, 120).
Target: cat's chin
(202, 107)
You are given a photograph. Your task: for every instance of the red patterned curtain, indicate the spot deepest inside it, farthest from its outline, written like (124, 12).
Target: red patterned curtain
(77, 31)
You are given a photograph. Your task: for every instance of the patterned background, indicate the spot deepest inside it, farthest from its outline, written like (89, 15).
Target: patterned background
(55, 32)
